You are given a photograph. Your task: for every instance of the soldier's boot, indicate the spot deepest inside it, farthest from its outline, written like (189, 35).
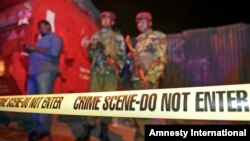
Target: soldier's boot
(85, 136)
(104, 132)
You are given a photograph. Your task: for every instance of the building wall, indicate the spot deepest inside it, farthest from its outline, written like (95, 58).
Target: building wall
(68, 21)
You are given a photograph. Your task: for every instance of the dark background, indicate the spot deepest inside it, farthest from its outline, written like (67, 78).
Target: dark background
(172, 16)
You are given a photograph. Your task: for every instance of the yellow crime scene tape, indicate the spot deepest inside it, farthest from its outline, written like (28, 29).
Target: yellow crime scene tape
(229, 102)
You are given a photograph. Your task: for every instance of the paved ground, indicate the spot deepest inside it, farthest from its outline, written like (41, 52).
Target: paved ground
(61, 131)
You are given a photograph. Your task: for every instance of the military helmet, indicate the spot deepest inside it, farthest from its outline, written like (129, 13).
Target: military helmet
(108, 14)
(143, 15)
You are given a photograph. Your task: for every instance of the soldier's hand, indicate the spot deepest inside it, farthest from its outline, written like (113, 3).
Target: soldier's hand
(93, 46)
(110, 61)
(145, 84)
(127, 39)
(130, 55)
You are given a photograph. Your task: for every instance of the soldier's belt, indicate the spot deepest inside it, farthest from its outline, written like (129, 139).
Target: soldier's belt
(229, 102)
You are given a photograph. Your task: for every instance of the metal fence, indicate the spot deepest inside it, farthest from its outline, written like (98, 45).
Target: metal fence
(210, 56)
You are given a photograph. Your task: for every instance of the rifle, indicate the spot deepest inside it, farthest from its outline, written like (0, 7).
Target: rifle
(140, 71)
(109, 59)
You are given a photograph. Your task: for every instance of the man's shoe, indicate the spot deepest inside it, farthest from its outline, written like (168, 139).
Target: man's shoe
(35, 136)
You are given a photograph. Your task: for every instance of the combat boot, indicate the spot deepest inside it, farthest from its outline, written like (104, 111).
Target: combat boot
(85, 136)
(104, 132)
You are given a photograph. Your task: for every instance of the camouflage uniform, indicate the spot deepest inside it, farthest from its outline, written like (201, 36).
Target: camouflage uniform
(150, 50)
(151, 54)
(103, 76)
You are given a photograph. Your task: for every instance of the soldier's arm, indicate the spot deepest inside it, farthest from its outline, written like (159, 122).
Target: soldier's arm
(157, 68)
(92, 46)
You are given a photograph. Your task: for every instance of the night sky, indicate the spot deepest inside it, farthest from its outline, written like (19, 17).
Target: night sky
(175, 16)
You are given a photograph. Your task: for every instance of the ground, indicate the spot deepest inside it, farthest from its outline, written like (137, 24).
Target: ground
(61, 131)
(118, 132)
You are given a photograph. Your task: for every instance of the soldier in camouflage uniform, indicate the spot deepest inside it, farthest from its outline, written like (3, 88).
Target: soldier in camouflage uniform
(149, 56)
(108, 52)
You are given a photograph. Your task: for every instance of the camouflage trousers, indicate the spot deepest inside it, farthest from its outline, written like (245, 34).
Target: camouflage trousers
(99, 82)
(76, 123)
(102, 82)
(141, 122)
(137, 85)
